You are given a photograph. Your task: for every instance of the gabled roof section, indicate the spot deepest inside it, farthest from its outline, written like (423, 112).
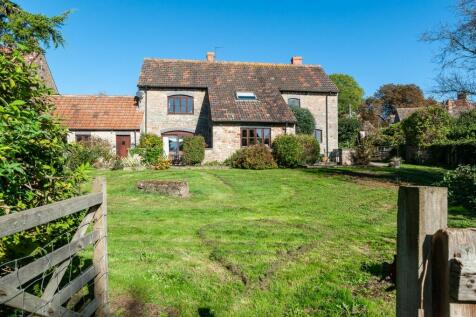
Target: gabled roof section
(83, 112)
(404, 113)
(224, 79)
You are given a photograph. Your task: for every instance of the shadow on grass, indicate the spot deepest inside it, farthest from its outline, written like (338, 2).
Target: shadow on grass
(414, 176)
(134, 304)
(205, 312)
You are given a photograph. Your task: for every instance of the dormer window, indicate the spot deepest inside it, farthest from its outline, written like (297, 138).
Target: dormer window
(180, 104)
(245, 95)
(294, 102)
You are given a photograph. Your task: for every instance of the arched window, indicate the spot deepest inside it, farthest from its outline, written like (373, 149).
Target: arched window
(180, 104)
(294, 102)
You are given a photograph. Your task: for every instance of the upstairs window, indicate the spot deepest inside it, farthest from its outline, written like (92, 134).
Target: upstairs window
(294, 102)
(251, 136)
(245, 95)
(180, 104)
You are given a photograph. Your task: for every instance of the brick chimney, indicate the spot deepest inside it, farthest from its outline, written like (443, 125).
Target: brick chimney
(210, 56)
(462, 95)
(296, 60)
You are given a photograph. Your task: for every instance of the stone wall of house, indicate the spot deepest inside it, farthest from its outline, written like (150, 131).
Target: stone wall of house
(109, 136)
(227, 139)
(158, 120)
(316, 103)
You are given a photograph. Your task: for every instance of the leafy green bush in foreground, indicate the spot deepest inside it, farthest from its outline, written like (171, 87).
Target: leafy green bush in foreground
(461, 184)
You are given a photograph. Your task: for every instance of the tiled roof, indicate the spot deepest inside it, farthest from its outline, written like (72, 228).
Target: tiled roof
(404, 113)
(224, 79)
(98, 112)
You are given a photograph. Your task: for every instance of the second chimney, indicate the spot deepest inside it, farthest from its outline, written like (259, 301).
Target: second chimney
(210, 56)
(462, 95)
(296, 60)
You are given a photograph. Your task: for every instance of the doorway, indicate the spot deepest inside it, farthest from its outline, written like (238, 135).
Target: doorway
(123, 144)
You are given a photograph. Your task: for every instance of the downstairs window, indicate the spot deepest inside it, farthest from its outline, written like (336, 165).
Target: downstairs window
(252, 136)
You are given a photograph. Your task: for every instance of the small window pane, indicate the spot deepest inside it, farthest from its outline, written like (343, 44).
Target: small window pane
(318, 135)
(244, 142)
(171, 104)
(259, 136)
(252, 133)
(244, 133)
(190, 105)
(294, 102)
(267, 136)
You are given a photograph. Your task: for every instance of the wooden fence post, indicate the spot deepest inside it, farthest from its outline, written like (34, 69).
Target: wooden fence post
(100, 251)
(421, 212)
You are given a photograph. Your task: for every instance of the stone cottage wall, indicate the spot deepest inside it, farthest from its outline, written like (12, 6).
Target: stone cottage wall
(316, 103)
(109, 136)
(158, 120)
(227, 139)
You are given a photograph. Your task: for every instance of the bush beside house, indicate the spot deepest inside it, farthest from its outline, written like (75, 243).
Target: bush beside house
(306, 124)
(287, 150)
(311, 152)
(257, 157)
(193, 150)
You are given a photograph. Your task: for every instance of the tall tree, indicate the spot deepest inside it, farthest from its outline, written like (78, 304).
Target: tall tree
(458, 53)
(19, 28)
(350, 93)
(393, 96)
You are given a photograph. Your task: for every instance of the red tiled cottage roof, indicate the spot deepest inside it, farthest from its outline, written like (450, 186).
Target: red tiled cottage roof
(97, 112)
(223, 79)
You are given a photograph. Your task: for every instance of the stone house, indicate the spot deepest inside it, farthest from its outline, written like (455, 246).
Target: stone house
(233, 104)
(116, 119)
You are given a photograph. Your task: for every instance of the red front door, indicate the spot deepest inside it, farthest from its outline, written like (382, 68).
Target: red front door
(123, 144)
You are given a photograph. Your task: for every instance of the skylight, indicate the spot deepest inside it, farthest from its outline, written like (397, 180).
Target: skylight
(245, 95)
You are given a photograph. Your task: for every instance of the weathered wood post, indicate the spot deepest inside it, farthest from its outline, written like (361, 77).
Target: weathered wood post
(454, 273)
(100, 251)
(421, 212)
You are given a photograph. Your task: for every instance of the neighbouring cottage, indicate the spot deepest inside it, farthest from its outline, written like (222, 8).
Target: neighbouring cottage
(456, 107)
(233, 104)
(116, 119)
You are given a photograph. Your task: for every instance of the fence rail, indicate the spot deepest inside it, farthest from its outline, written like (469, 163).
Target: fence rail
(12, 290)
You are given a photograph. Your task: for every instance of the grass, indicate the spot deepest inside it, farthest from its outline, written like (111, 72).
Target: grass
(255, 243)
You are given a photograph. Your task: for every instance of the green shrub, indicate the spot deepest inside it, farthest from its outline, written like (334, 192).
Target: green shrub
(464, 128)
(287, 150)
(306, 124)
(348, 131)
(162, 163)
(461, 184)
(150, 148)
(364, 151)
(256, 157)
(427, 126)
(311, 150)
(88, 152)
(193, 150)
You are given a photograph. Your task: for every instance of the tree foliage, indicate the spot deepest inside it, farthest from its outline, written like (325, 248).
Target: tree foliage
(350, 93)
(28, 30)
(464, 128)
(348, 131)
(393, 96)
(427, 126)
(457, 56)
(306, 124)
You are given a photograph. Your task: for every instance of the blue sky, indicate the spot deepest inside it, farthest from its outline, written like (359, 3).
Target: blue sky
(375, 41)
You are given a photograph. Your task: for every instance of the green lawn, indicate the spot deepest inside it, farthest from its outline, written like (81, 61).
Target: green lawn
(254, 243)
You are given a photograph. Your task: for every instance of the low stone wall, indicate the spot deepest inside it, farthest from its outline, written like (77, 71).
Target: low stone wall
(170, 188)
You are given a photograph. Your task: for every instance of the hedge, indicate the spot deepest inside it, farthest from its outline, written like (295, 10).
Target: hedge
(445, 155)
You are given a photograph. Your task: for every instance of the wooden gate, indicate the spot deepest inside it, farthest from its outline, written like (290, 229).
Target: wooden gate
(436, 265)
(51, 303)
